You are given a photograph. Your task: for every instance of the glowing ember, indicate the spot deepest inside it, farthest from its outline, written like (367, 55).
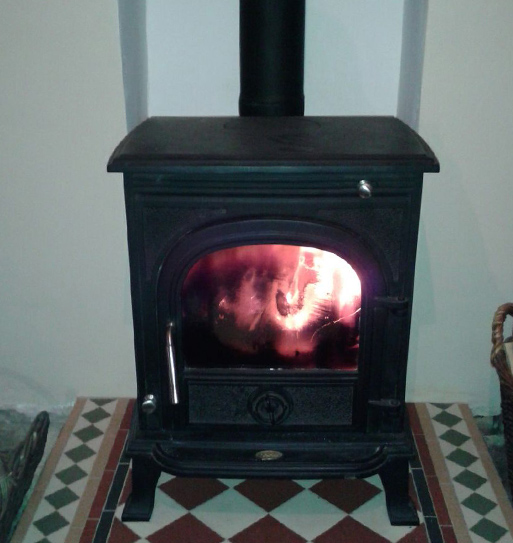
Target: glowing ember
(272, 306)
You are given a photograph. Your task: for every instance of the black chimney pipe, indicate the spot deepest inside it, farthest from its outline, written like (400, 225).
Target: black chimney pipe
(272, 53)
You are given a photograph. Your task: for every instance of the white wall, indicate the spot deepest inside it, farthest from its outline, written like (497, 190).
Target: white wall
(465, 260)
(352, 64)
(65, 321)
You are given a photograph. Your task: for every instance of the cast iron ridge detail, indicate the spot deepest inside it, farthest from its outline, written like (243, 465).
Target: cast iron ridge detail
(359, 462)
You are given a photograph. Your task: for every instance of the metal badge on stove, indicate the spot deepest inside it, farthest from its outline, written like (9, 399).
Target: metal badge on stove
(269, 406)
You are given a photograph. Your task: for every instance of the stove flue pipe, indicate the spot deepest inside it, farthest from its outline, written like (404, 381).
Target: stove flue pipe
(272, 45)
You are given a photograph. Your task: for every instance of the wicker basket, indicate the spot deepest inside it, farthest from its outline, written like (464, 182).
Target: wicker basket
(499, 361)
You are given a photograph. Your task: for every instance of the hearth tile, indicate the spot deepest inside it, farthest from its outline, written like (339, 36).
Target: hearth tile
(51, 523)
(267, 529)
(127, 418)
(191, 492)
(307, 483)
(479, 504)
(350, 529)
(417, 535)
(230, 483)
(433, 530)
(448, 534)
(425, 457)
(470, 479)
(96, 415)
(229, 513)
(438, 500)
(412, 491)
(80, 453)
(462, 458)
(442, 406)
(269, 493)
(88, 531)
(120, 533)
(61, 498)
(116, 488)
(101, 495)
(308, 514)
(103, 402)
(423, 494)
(166, 511)
(488, 530)
(454, 437)
(433, 444)
(117, 449)
(413, 417)
(88, 433)
(346, 494)
(127, 489)
(71, 474)
(104, 526)
(495, 489)
(447, 419)
(373, 515)
(187, 529)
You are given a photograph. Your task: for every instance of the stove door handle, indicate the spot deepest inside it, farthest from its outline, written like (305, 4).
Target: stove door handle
(173, 392)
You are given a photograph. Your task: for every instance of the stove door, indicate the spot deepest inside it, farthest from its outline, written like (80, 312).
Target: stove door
(266, 331)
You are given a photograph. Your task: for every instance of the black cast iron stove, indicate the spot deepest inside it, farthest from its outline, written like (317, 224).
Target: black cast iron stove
(272, 265)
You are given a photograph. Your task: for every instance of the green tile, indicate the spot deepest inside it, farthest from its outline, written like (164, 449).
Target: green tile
(454, 438)
(489, 530)
(102, 401)
(88, 433)
(80, 453)
(447, 419)
(71, 475)
(479, 504)
(61, 498)
(51, 523)
(470, 479)
(462, 458)
(96, 415)
(442, 405)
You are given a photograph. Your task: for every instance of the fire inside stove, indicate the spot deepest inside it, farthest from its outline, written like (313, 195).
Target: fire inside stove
(271, 306)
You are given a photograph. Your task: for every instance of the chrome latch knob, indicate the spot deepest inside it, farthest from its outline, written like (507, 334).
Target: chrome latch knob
(149, 404)
(364, 189)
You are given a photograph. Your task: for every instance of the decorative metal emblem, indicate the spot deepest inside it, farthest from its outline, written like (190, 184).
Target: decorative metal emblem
(266, 456)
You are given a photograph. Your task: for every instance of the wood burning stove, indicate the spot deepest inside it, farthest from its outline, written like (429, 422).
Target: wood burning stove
(272, 265)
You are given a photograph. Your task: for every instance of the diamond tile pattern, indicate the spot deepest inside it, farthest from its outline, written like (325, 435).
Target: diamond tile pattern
(348, 494)
(259, 511)
(62, 497)
(268, 493)
(192, 492)
(478, 503)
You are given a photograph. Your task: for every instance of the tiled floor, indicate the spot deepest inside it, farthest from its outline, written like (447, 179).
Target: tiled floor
(86, 481)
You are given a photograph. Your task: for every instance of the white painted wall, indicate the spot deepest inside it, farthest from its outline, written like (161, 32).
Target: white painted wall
(465, 261)
(65, 320)
(352, 64)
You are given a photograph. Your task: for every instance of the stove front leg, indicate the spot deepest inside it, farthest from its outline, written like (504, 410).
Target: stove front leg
(395, 478)
(145, 476)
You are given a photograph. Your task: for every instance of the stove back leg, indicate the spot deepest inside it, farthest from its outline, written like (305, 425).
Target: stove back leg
(145, 476)
(395, 478)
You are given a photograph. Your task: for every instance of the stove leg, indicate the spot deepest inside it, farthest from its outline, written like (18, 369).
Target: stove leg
(395, 478)
(145, 476)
